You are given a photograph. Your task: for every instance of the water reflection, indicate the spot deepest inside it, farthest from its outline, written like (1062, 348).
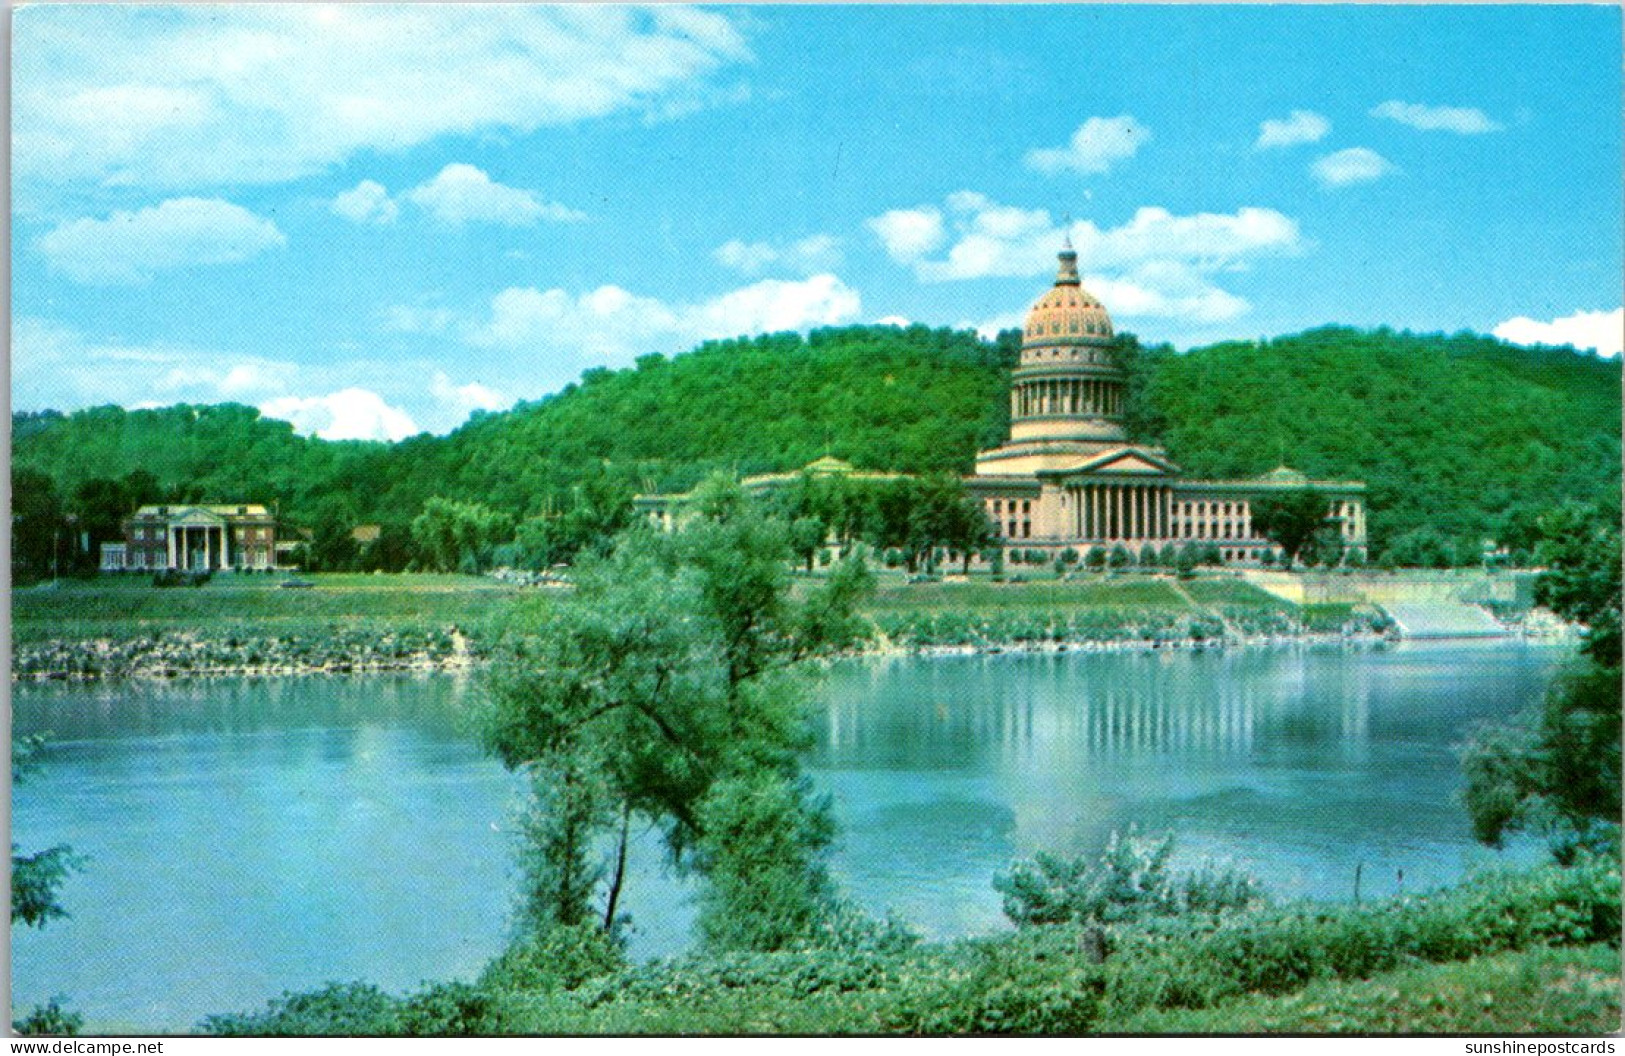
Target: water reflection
(251, 836)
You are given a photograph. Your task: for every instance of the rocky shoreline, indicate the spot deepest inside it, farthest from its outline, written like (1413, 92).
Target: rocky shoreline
(192, 655)
(175, 656)
(189, 655)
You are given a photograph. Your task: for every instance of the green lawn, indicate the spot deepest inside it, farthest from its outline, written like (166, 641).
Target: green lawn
(127, 606)
(1539, 991)
(1126, 592)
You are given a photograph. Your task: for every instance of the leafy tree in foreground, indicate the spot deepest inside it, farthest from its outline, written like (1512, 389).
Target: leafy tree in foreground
(664, 692)
(1557, 770)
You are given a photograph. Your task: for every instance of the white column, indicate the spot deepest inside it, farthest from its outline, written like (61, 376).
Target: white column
(169, 534)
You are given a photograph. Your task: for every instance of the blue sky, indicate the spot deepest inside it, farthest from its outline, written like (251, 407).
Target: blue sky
(373, 220)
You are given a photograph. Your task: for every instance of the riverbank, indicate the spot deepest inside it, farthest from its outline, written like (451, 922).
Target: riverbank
(361, 624)
(1509, 953)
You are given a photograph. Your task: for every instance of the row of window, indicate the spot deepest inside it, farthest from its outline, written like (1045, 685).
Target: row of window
(1089, 356)
(247, 535)
(1047, 329)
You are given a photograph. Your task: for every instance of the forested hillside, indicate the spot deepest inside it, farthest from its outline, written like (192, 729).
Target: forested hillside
(1451, 433)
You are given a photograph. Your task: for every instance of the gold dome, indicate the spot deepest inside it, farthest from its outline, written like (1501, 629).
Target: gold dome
(1067, 314)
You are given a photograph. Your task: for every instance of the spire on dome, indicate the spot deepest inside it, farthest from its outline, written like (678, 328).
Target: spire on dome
(1068, 273)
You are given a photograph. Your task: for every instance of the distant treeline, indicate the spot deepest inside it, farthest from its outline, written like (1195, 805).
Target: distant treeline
(1460, 438)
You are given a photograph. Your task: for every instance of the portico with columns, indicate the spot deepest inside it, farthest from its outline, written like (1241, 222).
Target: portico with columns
(210, 537)
(1068, 477)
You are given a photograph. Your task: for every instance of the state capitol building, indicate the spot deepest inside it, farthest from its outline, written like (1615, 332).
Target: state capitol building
(1067, 476)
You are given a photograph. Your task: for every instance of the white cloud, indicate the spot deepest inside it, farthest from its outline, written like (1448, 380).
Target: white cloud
(349, 414)
(805, 256)
(462, 194)
(57, 366)
(461, 400)
(1167, 290)
(993, 240)
(414, 319)
(130, 247)
(368, 202)
(1097, 145)
(1602, 331)
(903, 322)
(611, 324)
(1300, 126)
(1463, 120)
(1155, 264)
(998, 324)
(229, 94)
(909, 234)
(1348, 167)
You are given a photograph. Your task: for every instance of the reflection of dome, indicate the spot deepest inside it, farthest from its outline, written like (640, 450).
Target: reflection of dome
(1067, 314)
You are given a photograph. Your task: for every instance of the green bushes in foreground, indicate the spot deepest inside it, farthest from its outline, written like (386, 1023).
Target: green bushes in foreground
(1039, 980)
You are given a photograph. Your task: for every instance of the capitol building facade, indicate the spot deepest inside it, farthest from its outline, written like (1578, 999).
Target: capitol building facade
(1067, 478)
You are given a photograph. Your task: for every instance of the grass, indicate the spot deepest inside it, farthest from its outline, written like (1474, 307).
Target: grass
(1140, 593)
(1540, 991)
(1092, 606)
(1534, 952)
(123, 607)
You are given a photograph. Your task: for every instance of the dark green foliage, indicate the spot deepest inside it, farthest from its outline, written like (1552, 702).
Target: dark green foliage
(1558, 771)
(337, 1009)
(559, 958)
(1129, 881)
(455, 536)
(49, 1020)
(37, 525)
(1449, 432)
(1291, 521)
(1421, 548)
(863, 978)
(35, 878)
(761, 851)
(663, 687)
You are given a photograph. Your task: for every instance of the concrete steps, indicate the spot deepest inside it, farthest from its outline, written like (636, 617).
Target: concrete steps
(1444, 619)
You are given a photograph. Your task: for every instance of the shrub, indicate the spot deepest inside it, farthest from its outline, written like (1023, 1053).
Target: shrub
(338, 1008)
(563, 957)
(1129, 881)
(49, 1020)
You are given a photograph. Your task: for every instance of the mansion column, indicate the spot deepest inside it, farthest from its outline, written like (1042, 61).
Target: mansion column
(1117, 512)
(169, 534)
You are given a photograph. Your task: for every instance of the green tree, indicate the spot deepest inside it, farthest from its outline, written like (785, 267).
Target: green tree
(1291, 520)
(452, 536)
(807, 536)
(667, 689)
(1557, 770)
(37, 525)
(35, 882)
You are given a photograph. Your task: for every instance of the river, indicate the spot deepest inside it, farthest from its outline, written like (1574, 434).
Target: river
(250, 836)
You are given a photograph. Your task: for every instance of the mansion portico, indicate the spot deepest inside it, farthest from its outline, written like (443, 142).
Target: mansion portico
(202, 538)
(1067, 478)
